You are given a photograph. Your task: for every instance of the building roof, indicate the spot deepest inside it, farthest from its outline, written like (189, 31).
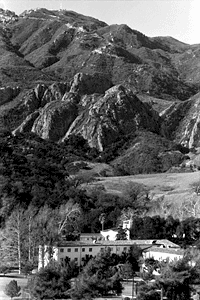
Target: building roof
(110, 229)
(165, 250)
(141, 243)
(90, 234)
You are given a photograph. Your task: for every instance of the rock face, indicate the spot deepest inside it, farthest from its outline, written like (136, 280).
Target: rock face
(103, 118)
(62, 73)
(55, 119)
(63, 43)
(86, 84)
(100, 118)
(183, 122)
(27, 104)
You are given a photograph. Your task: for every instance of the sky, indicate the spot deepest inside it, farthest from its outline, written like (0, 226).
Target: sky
(179, 19)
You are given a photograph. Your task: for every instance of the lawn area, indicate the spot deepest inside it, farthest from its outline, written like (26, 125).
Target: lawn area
(23, 281)
(6, 279)
(171, 185)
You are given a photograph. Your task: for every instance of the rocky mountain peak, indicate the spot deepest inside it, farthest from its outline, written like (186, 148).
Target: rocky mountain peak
(7, 16)
(63, 73)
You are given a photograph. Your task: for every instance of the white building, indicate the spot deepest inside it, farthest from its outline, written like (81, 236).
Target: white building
(159, 253)
(110, 234)
(81, 250)
(91, 237)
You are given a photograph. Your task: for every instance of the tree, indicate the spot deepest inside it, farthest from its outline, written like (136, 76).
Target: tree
(136, 200)
(175, 279)
(147, 292)
(99, 277)
(12, 289)
(51, 282)
(102, 219)
(191, 207)
(4, 269)
(127, 271)
(13, 238)
(50, 224)
(134, 257)
(68, 213)
(27, 268)
(121, 234)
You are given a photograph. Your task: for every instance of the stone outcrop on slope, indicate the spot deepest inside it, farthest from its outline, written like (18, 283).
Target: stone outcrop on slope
(63, 43)
(182, 122)
(104, 118)
(100, 118)
(56, 117)
(86, 84)
(16, 112)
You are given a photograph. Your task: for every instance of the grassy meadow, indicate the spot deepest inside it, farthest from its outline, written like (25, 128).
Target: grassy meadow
(173, 186)
(4, 280)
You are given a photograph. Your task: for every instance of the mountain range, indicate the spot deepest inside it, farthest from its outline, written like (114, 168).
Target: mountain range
(63, 74)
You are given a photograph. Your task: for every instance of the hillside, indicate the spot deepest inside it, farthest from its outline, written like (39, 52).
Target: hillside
(173, 186)
(134, 99)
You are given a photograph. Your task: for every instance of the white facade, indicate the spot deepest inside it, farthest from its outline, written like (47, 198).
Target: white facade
(163, 253)
(91, 237)
(81, 250)
(110, 234)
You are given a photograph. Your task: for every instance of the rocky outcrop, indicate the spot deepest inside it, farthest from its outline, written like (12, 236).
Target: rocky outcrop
(27, 125)
(183, 122)
(63, 43)
(100, 118)
(86, 84)
(55, 118)
(18, 112)
(104, 118)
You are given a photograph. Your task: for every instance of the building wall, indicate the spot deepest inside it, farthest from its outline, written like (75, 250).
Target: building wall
(79, 252)
(90, 237)
(162, 255)
(109, 235)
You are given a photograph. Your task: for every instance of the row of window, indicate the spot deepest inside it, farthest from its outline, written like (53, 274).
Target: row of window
(90, 249)
(75, 249)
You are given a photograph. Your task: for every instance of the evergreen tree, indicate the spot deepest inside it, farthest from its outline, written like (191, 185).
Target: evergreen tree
(52, 282)
(121, 234)
(99, 277)
(12, 289)
(175, 279)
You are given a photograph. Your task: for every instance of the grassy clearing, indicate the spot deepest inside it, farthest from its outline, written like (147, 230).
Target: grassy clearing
(4, 280)
(171, 185)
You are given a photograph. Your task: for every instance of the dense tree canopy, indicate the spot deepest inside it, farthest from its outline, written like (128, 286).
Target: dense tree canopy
(99, 277)
(52, 282)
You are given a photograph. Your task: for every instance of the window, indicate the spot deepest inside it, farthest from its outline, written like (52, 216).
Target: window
(83, 249)
(61, 250)
(125, 248)
(118, 248)
(90, 249)
(76, 250)
(69, 250)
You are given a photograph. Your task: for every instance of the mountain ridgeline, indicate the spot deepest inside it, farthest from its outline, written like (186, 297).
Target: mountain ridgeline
(134, 99)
